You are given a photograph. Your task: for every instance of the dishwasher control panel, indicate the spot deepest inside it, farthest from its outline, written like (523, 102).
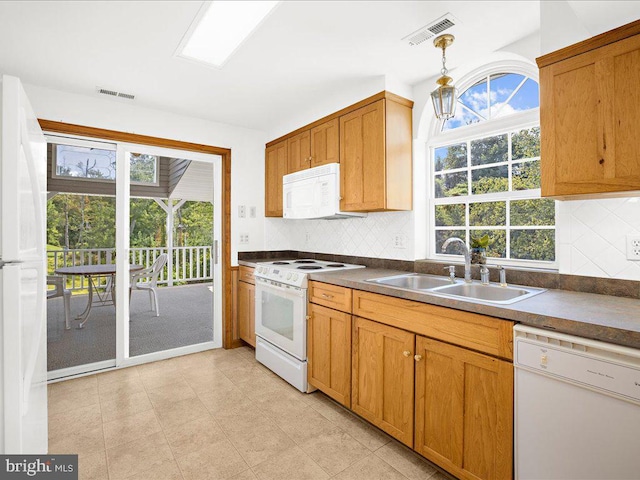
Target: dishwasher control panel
(595, 365)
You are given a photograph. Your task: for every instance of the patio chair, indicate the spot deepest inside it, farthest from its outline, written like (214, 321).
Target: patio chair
(58, 282)
(151, 275)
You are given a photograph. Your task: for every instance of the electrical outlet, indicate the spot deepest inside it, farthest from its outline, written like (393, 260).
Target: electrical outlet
(244, 238)
(633, 247)
(252, 212)
(399, 241)
(242, 211)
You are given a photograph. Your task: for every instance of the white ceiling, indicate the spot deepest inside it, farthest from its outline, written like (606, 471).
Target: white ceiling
(302, 53)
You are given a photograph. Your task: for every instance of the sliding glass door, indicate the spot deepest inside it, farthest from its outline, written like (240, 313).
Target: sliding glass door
(133, 234)
(172, 227)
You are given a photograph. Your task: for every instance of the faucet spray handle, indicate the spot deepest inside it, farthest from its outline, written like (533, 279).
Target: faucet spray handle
(503, 275)
(452, 273)
(484, 274)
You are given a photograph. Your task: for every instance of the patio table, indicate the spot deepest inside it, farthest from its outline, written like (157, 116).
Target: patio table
(93, 273)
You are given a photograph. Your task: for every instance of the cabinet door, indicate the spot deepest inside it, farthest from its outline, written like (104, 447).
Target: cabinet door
(589, 116)
(246, 312)
(275, 169)
(329, 352)
(383, 377)
(362, 159)
(464, 410)
(299, 152)
(325, 143)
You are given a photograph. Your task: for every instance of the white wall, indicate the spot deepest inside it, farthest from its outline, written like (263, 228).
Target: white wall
(247, 146)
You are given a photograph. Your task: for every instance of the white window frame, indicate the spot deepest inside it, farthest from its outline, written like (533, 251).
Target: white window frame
(90, 143)
(486, 128)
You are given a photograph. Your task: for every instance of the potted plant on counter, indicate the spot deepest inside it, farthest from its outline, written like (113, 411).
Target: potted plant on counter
(479, 249)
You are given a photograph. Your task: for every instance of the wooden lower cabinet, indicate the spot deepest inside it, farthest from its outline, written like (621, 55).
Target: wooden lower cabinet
(464, 410)
(329, 352)
(246, 312)
(383, 377)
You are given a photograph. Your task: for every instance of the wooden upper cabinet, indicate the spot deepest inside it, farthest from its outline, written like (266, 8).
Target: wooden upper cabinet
(299, 152)
(590, 116)
(464, 411)
(375, 158)
(325, 143)
(372, 141)
(275, 169)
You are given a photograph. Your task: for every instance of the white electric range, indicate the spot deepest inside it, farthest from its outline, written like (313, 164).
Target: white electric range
(281, 315)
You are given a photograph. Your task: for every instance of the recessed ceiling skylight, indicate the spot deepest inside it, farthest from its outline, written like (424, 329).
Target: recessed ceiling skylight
(220, 29)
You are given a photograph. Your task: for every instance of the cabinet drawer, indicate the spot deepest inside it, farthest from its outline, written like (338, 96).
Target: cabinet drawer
(331, 296)
(478, 332)
(246, 275)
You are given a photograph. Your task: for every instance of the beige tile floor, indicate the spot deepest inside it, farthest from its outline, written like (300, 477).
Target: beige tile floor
(217, 415)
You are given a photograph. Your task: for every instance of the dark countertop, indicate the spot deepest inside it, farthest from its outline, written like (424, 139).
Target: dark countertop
(600, 317)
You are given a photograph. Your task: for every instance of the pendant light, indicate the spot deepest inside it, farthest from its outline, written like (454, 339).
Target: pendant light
(444, 97)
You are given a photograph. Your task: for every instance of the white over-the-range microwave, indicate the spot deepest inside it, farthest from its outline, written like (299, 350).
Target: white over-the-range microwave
(314, 193)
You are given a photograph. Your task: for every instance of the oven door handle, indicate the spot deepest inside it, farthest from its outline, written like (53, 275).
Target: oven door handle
(266, 285)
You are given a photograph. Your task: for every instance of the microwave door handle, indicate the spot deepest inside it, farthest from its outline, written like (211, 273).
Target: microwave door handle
(291, 291)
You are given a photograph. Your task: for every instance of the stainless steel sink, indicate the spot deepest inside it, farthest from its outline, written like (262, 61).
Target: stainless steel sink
(489, 292)
(413, 281)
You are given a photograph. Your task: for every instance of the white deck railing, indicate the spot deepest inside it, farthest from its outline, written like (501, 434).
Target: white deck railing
(190, 264)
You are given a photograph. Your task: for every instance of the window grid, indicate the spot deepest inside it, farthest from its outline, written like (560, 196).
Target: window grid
(506, 196)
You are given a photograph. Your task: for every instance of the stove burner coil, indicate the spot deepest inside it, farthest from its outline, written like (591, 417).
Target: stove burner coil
(305, 261)
(309, 267)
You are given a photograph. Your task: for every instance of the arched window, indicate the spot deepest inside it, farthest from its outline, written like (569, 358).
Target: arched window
(485, 172)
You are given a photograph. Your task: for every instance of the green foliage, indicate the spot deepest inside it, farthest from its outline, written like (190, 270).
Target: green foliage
(490, 150)
(487, 214)
(539, 211)
(533, 244)
(143, 168)
(525, 144)
(480, 242)
(84, 221)
(450, 215)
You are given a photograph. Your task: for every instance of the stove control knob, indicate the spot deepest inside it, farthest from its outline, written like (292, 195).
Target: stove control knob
(295, 276)
(289, 277)
(259, 269)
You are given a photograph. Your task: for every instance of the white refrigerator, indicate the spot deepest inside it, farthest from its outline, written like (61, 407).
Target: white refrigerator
(23, 332)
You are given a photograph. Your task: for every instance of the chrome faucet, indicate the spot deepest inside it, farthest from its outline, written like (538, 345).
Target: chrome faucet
(484, 275)
(467, 256)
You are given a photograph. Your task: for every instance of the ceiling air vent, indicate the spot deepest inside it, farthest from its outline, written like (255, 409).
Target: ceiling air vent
(113, 93)
(431, 30)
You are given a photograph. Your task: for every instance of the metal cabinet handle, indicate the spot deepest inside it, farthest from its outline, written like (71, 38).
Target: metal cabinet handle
(325, 295)
(417, 357)
(406, 353)
(308, 317)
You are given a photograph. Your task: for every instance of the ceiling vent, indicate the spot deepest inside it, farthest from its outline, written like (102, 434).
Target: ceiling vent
(431, 30)
(113, 93)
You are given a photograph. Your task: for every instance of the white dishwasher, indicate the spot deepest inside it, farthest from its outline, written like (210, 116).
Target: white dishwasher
(577, 407)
